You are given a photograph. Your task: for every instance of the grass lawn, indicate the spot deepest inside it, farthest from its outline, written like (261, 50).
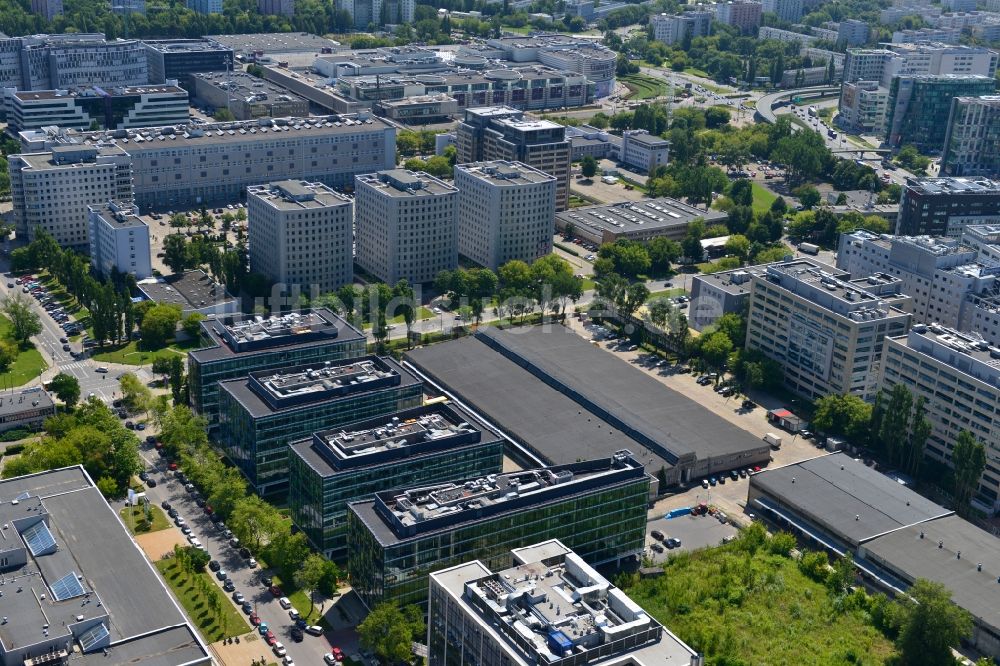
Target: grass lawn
(299, 599)
(214, 627)
(589, 284)
(422, 313)
(762, 197)
(27, 366)
(735, 607)
(668, 293)
(642, 86)
(138, 519)
(130, 354)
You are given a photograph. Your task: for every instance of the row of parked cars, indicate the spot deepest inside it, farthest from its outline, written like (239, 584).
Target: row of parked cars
(30, 285)
(669, 542)
(734, 474)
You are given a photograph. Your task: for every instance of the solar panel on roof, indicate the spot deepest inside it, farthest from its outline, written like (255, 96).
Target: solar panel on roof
(39, 539)
(94, 638)
(67, 587)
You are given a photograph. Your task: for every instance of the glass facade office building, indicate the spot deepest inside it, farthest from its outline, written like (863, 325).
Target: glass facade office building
(919, 107)
(597, 508)
(257, 421)
(358, 460)
(236, 346)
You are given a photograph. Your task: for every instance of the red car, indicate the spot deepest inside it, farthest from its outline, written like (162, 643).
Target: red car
(159, 446)
(254, 619)
(276, 591)
(337, 653)
(209, 510)
(270, 637)
(172, 467)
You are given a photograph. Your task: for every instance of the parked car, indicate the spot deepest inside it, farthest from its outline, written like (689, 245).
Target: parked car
(657, 534)
(314, 630)
(247, 607)
(296, 634)
(285, 603)
(673, 542)
(657, 547)
(238, 597)
(221, 575)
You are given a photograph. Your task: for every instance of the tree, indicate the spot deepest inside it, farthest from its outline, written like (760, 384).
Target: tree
(846, 415)
(227, 490)
(309, 576)
(741, 192)
(738, 246)
(588, 166)
(407, 307)
(895, 422)
(716, 349)
(66, 387)
(808, 195)
(389, 632)
(8, 353)
(136, 395)
(24, 322)
(223, 115)
(159, 325)
(192, 324)
(175, 252)
(931, 625)
(968, 459)
(254, 522)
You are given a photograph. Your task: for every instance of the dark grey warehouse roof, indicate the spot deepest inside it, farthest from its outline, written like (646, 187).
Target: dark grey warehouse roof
(842, 495)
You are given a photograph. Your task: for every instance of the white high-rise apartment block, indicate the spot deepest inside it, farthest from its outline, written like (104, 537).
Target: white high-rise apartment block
(786, 10)
(672, 29)
(300, 234)
(53, 190)
(405, 226)
(506, 211)
(119, 239)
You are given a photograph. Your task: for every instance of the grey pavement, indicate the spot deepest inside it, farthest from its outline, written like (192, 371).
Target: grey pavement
(695, 532)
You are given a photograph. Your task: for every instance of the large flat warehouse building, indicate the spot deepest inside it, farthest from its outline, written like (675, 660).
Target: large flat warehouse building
(561, 400)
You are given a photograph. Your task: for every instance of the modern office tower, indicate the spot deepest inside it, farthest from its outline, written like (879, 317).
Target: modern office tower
(866, 64)
(596, 507)
(51, 191)
(826, 333)
(276, 7)
(506, 211)
(119, 239)
(262, 413)
(674, 29)
(236, 346)
(644, 151)
(189, 166)
(863, 107)
(419, 446)
(83, 109)
(246, 96)
(47, 8)
(944, 206)
(852, 32)
(205, 6)
(739, 13)
(939, 274)
(972, 141)
(786, 10)
(77, 584)
(300, 233)
(475, 615)
(502, 133)
(957, 375)
(179, 58)
(919, 105)
(405, 225)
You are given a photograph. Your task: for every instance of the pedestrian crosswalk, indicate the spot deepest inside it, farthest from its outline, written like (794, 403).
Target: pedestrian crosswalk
(73, 365)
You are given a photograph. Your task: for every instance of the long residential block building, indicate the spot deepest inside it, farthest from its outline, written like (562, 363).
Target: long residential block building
(200, 165)
(827, 333)
(119, 240)
(405, 225)
(51, 191)
(972, 140)
(786, 10)
(506, 211)
(300, 233)
(742, 14)
(676, 28)
(958, 375)
(233, 347)
(597, 507)
(477, 614)
(945, 206)
(262, 413)
(422, 445)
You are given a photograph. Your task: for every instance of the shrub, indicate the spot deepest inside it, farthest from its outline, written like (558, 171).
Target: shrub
(814, 564)
(782, 544)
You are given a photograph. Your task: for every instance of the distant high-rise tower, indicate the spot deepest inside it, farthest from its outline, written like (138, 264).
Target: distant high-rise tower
(47, 8)
(276, 7)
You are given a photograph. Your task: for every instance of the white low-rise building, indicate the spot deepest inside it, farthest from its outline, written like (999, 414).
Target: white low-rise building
(119, 240)
(644, 151)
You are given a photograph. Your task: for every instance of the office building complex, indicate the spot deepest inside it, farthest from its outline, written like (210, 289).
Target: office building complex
(191, 291)
(743, 14)
(918, 106)
(944, 206)
(597, 507)
(852, 32)
(674, 29)
(201, 165)
(49, 9)
(51, 191)
(972, 140)
(79, 60)
(62, 599)
(863, 107)
(506, 211)
(276, 7)
(958, 377)
(262, 413)
(635, 220)
(119, 240)
(205, 6)
(503, 133)
(246, 95)
(644, 151)
(300, 233)
(475, 615)
(236, 346)
(827, 333)
(419, 446)
(97, 108)
(179, 58)
(583, 56)
(786, 10)
(26, 409)
(405, 225)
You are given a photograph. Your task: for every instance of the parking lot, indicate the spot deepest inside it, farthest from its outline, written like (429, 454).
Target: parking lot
(694, 532)
(160, 228)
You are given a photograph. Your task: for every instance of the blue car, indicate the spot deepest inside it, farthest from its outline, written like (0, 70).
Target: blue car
(262, 628)
(713, 481)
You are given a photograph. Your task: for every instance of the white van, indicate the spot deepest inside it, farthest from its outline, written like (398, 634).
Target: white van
(773, 440)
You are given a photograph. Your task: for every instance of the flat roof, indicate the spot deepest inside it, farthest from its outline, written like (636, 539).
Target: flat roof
(247, 86)
(191, 289)
(640, 136)
(913, 552)
(634, 216)
(118, 214)
(275, 42)
(835, 295)
(844, 496)
(72, 157)
(401, 183)
(959, 186)
(167, 46)
(292, 195)
(253, 334)
(737, 281)
(70, 562)
(969, 351)
(530, 378)
(22, 401)
(96, 92)
(501, 173)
